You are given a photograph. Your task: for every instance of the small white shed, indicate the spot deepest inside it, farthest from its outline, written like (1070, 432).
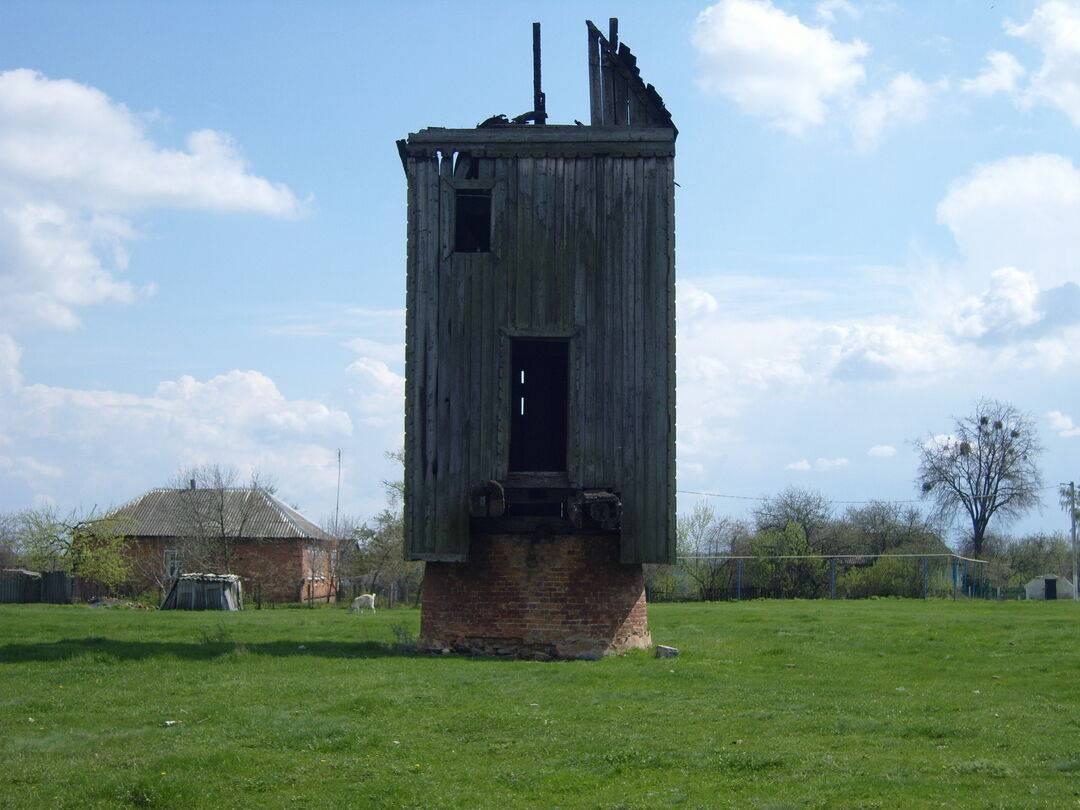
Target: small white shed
(1050, 586)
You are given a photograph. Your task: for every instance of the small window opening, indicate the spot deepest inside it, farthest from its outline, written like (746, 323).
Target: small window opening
(472, 222)
(172, 563)
(538, 418)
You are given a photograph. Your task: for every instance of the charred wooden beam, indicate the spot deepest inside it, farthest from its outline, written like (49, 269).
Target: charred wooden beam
(539, 100)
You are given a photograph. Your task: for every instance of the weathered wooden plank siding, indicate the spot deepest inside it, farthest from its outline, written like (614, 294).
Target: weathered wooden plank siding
(410, 492)
(582, 249)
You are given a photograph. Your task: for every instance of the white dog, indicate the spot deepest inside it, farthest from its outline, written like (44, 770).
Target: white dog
(365, 601)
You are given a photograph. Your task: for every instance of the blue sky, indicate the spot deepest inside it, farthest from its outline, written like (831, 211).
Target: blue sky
(202, 231)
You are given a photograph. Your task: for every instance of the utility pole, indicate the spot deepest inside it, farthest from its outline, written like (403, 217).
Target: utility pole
(337, 501)
(1072, 518)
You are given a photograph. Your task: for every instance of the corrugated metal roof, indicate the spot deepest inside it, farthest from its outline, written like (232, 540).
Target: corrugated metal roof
(249, 513)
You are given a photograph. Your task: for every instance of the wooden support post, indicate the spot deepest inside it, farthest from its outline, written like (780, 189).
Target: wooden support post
(832, 577)
(955, 584)
(925, 565)
(738, 579)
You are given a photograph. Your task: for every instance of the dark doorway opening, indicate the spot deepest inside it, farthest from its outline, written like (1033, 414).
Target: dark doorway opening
(538, 405)
(472, 221)
(1050, 586)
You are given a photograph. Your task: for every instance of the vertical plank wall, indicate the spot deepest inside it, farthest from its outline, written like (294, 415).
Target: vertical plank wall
(582, 249)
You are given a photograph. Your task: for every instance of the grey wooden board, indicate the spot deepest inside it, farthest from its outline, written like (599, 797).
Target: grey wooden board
(582, 248)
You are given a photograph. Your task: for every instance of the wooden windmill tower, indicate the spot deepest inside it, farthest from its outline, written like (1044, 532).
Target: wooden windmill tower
(540, 369)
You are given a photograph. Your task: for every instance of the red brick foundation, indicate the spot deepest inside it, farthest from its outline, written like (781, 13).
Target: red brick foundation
(564, 596)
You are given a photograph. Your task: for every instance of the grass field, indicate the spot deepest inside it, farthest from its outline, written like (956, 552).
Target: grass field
(771, 704)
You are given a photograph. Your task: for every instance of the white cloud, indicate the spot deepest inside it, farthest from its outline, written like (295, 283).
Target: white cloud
(724, 363)
(881, 451)
(74, 166)
(692, 300)
(774, 66)
(1002, 74)
(386, 352)
(827, 10)
(70, 444)
(1021, 211)
(819, 465)
(250, 401)
(1010, 305)
(1054, 28)
(237, 406)
(827, 464)
(878, 351)
(905, 100)
(28, 468)
(61, 136)
(1063, 425)
(10, 354)
(380, 395)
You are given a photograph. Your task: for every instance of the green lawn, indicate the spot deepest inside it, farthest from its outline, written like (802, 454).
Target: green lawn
(771, 704)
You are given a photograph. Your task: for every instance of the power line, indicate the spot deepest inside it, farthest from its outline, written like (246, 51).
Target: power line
(824, 556)
(831, 500)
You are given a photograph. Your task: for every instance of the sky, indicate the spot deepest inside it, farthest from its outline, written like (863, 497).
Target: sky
(202, 232)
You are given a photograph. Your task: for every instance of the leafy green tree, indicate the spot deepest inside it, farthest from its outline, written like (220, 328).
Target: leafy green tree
(792, 578)
(89, 546)
(1037, 555)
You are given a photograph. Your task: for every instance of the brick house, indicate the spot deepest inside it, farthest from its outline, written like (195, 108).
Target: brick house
(279, 554)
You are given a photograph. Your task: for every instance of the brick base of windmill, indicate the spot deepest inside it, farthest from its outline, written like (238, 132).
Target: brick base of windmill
(564, 596)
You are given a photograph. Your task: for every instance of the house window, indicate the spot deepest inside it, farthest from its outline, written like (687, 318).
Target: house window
(172, 563)
(538, 405)
(472, 220)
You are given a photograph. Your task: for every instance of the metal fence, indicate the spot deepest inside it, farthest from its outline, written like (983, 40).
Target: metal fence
(824, 576)
(388, 595)
(19, 585)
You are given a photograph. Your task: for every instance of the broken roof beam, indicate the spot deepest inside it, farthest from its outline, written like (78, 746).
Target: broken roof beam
(617, 94)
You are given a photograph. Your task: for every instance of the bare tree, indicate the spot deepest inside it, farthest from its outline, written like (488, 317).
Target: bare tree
(703, 537)
(988, 467)
(9, 539)
(808, 508)
(214, 514)
(1071, 505)
(343, 529)
(879, 527)
(375, 552)
(150, 569)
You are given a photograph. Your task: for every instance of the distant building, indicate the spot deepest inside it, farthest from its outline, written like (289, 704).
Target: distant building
(279, 554)
(1049, 587)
